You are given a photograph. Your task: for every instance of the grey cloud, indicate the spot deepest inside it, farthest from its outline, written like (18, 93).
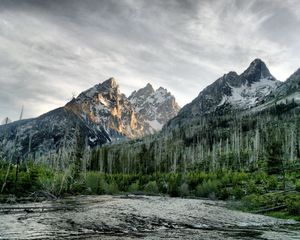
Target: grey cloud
(50, 49)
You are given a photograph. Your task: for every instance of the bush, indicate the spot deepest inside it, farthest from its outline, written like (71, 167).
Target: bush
(151, 187)
(223, 194)
(297, 185)
(77, 186)
(272, 182)
(59, 184)
(184, 190)
(103, 186)
(173, 183)
(293, 204)
(253, 201)
(294, 208)
(238, 192)
(207, 188)
(134, 187)
(92, 182)
(112, 188)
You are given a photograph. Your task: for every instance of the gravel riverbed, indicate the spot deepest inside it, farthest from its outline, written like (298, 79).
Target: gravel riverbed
(137, 217)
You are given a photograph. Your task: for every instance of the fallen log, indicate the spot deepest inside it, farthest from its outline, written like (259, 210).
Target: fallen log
(43, 194)
(264, 210)
(34, 209)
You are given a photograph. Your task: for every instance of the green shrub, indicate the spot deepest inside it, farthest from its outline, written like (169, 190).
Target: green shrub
(297, 185)
(184, 190)
(293, 207)
(134, 187)
(24, 184)
(252, 201)
(112, 188)
(77, 186)
(206, 188)
(103, 186)
(223, 194)
(92, 182)
(272, 182)
(46, 183)
(151, 187)
(60, 184)
(293, 204)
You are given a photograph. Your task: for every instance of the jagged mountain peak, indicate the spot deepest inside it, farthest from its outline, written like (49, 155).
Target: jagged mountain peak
(154, 107)
(290, 86)
(294, 75)
(101, 114)
(110, 83)
(162, 89)
(228, 78)
(104, 87)
(142, 93)
(231, 74)
(256, 71)
(149, 86)
(233, 91)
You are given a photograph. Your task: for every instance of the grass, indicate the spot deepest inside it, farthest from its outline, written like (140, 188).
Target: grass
(282, 215)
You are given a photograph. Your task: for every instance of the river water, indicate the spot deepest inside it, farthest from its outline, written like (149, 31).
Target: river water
(137, 217)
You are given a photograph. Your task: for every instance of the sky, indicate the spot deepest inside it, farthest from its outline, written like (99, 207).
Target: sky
(52, 50)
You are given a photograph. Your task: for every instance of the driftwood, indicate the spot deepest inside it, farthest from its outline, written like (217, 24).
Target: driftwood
(33, 197)
(34, 209)
(42, 194)
(264, 210)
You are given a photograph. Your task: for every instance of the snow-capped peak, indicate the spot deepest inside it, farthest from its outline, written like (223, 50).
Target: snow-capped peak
(154, 108)
(106, 86)
(255, 72)
(234, 91)
(247, 95)
(110, 83)
(250, 87)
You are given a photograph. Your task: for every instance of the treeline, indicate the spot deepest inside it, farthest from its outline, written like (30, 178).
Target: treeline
(267, 141)
(255, 191)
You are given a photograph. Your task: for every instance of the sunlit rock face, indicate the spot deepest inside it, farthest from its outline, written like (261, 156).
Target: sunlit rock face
(105, 106)
(154, 108)
(101, 114)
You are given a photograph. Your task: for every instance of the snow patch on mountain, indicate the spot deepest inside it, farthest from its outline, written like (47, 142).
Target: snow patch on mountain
(247, 96)
(155, 124)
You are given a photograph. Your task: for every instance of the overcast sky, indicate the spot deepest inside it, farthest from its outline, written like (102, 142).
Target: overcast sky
(52, 49)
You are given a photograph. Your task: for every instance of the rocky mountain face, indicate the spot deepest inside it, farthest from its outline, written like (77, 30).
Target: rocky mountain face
(233, 92)
(57, 129)
(106, 107)
(289, 87)
(154, 108)
(99, 115)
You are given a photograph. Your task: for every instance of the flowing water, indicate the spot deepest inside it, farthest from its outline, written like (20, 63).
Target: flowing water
(137, 217)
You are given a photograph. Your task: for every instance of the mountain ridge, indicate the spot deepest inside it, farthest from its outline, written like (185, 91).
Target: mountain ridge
(101, 114)
(232, 92)
(154, 107)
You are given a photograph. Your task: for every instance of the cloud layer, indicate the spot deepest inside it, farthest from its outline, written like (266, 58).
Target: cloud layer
(52, 49)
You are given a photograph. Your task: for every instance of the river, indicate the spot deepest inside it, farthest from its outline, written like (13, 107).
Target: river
(137, 217)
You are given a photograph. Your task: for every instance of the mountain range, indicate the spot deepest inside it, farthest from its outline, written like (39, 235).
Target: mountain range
(102, 114)
(248, 121)
(233, 92)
